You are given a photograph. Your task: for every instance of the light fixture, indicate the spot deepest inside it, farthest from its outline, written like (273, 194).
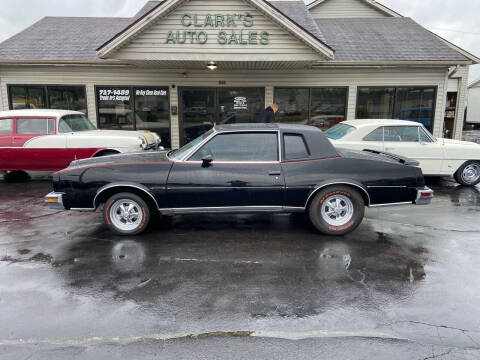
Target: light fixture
(212, 65)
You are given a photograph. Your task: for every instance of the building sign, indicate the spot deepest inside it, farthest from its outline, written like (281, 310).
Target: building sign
(240, 103)
(232, 29)
(113, 94)
(151, 92)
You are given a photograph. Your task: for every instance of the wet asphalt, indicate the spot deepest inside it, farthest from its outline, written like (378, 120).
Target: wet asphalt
(404, 285)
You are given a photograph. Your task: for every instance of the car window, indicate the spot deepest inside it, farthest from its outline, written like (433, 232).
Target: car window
(423, 136)
(339, 131)
(390, 133)
(407, 133)
(295, 147)
(35, 126)
(6, 126)
(240, 147)
(74, 123)
(375, 135)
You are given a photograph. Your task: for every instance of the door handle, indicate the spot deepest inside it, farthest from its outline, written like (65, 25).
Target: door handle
(274, 173)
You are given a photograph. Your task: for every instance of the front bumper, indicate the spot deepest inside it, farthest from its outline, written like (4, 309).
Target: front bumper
(424, 196)
(55, 200)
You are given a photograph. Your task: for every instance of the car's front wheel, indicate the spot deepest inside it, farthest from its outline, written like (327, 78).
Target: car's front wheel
(126, 214)
(337, 210)
(468, 174)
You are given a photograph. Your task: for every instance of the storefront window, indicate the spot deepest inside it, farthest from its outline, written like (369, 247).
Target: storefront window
(152, 112)
(406, 103)
(135, 108)
(328, 107)
(63, 97)
(26, 97)
(375, 103)
(293, 105)
(67, 98)
(320, 107)
(415, 104)
(115, 108)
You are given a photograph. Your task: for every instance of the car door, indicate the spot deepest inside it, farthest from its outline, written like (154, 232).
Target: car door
(6, 138)
(244, 172)
(37, 146)
(6, 132)
(413, 142)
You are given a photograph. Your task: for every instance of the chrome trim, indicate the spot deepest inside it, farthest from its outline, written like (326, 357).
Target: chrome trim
(424, 200)
(231, 209)
(391, 204)
(337, 183)
(122, 185)
(58, 205)
(224, 187)
(387, 186)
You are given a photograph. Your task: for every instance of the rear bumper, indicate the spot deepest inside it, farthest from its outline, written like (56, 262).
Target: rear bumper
(55, 201)
(424, 196)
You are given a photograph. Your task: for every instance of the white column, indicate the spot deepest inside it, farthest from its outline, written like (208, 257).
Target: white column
(352, 102)
(462, 75)
(91, 103)
(174, 119)
(268, 95)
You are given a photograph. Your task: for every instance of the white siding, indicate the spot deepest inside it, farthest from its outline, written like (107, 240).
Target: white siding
(352, 78)
(473, 112)
(330, 9)
(152, 45)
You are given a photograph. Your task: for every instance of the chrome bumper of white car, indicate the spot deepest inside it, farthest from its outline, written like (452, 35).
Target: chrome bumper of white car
(55, 200)
(424, 196)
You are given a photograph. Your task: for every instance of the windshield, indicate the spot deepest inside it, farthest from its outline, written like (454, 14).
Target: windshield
(339, 131)
(74, 123)
(178, 154)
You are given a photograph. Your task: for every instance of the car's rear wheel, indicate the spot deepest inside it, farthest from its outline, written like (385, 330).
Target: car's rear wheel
(468, 174)
(126, 214)
(337, 210)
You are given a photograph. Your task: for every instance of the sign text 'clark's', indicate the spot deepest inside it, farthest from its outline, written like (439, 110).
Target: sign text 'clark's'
(232, 29)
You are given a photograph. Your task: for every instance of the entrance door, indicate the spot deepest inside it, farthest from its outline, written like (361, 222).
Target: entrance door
(203, 108)
(198, 112)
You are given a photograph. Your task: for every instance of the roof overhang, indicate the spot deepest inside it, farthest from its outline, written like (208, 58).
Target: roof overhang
(372, 3)
(164, 8)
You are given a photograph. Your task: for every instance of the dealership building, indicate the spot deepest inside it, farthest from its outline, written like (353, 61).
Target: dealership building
(179, 67)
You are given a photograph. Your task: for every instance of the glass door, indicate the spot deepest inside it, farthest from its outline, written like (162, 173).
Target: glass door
(198, 112)
(203, 108)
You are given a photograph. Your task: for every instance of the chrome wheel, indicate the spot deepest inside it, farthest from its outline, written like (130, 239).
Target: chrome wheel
(337, 210)
(126, 214)
(471, 173)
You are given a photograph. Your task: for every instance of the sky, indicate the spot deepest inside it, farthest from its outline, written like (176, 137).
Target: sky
(455, 20)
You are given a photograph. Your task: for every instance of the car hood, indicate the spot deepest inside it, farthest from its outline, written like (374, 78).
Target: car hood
(126, 158)
(149, 137)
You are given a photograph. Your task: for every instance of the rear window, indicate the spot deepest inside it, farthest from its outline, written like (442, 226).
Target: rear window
(339, 131)
(295, 147)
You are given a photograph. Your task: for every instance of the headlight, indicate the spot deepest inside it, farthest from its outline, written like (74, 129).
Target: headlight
(143, 142)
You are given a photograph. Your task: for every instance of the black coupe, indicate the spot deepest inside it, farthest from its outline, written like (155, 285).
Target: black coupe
(242, 168)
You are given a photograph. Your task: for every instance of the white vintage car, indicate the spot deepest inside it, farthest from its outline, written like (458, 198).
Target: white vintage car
(437, 157)
(49, 140)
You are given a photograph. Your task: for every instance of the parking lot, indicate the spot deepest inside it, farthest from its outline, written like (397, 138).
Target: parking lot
(405, 284)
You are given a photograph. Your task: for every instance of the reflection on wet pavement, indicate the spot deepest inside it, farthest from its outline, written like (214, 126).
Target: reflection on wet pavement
(405, 272)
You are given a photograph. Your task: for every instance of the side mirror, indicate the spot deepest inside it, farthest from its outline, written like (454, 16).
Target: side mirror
(207, 161)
